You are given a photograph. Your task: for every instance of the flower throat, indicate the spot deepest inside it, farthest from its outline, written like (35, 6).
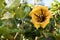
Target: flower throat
(41, 17)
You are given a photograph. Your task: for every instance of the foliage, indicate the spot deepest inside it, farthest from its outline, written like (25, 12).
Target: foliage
(56, 13)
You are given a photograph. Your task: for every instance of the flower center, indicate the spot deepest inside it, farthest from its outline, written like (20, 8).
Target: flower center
(41, 17)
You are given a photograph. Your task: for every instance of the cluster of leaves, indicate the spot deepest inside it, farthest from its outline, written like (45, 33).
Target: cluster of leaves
(11, 17)
(56, 9)
(56, 14)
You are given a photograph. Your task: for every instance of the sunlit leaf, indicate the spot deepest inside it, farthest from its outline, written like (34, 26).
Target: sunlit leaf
(13, 4)
(8, 15)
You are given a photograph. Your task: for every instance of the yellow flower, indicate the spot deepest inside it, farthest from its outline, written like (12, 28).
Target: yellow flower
(40, 16)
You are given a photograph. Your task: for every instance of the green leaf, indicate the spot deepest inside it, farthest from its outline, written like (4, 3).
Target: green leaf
(15, 30)
(0, 22)
(23, 11)
(1, 3)
(4, 30)
(1, 12)
(57, 37)
(27, 10)
(20, 13)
